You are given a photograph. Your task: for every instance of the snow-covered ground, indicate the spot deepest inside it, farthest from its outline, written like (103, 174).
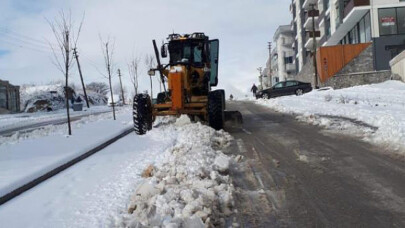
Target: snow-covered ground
(11, 121)
(189, 184)
(376, 111)
(23, 159)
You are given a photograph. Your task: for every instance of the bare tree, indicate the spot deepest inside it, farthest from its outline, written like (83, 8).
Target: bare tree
(149, 63)
(133, 69)
(108, 52)
(66, 38)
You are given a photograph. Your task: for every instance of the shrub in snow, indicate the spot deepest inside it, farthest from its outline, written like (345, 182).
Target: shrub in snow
(190, 188)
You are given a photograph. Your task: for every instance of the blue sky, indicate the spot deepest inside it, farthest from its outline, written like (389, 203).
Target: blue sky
(243, 27)
(3, 52)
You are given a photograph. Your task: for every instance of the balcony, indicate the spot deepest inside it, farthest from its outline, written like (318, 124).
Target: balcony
(290, 68)
(309, 16)
(354, 3)
(310, 41)
(354, 11)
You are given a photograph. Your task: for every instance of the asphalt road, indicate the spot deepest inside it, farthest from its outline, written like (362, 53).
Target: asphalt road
(297, 175)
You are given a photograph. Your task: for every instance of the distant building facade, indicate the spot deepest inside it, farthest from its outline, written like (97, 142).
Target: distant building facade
(282, 56)
(9, 97)
(350, 24)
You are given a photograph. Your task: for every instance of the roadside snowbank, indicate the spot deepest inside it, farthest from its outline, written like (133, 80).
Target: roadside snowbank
(378, 109)
(191, 187)
(13, 121)
(93, 193)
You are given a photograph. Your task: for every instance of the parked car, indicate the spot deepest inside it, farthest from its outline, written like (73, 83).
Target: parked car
(117, 100)
(285, 88)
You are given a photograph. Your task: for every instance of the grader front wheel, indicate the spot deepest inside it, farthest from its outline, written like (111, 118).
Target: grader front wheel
(216, 106)
(142, 114)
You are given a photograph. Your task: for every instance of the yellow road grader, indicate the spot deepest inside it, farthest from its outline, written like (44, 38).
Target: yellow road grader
(190, 74)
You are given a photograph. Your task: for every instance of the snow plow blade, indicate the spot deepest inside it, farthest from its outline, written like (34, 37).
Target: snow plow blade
(233, 118)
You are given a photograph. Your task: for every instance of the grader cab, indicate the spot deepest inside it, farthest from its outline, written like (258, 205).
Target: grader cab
(190, 74)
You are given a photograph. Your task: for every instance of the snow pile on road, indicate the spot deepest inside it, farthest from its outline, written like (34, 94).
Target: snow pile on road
(191, 186)
(377, 108)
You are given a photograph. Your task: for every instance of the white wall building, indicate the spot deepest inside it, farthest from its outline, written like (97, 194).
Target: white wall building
(282, 56)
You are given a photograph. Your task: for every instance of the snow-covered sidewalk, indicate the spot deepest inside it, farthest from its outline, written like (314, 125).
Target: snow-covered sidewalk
(189, 184)
(378, 107)
(24, 159)
(11, 121)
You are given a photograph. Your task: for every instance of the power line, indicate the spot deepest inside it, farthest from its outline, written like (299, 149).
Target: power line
(19, 45)
(13, 33)
(15, 39)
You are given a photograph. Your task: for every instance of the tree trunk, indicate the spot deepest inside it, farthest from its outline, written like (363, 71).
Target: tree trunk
(112, 97)
(67, 82)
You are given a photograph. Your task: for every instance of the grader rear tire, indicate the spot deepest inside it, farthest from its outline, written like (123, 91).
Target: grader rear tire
(142, 114)
(216, 106)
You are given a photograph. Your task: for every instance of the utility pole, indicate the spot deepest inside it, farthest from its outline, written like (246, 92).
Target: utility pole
(314, 45)
(108, 58)
(270, 67)
(81, 76)
(122, 89)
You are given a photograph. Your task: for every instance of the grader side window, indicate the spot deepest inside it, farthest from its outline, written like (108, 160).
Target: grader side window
(186, 54)
(197, 54)
(214, 57)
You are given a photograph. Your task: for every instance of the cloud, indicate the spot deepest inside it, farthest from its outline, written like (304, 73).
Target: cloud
(243, 28)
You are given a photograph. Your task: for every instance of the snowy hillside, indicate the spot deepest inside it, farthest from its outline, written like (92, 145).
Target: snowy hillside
(378, 110)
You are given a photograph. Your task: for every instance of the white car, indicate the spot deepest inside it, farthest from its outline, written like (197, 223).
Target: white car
(117, 100)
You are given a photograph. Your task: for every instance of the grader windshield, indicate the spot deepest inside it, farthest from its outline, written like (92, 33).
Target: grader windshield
(187, 52)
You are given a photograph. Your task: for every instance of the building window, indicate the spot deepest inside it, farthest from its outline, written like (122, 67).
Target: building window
(355, 37)
(288, 60)
(360, 33)
(367, 22)
(362, 29)
(327, 27)
(389, 21)
(401, 20)
(326, 4)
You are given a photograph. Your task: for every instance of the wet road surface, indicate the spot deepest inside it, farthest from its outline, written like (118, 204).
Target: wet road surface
(296, 175)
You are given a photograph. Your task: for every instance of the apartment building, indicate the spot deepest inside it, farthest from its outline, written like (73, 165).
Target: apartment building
(332, 23)
(381, 22)
(282, 56)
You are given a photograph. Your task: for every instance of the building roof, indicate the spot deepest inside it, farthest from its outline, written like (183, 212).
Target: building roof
(283, 29)
(6, 83)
